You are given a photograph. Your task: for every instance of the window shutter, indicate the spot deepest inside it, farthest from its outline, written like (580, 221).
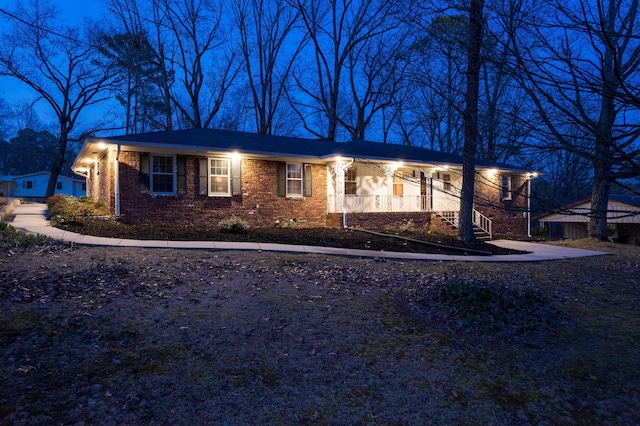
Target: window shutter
(143, 174)
(181, 163)
(282, 179)
(307, 176)
(203, 186)
(236, 176)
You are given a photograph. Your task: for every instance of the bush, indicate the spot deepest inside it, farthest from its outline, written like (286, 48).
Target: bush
(14, 238)
(406, 226)
(233, 225)
(289, 223)
(64, 208)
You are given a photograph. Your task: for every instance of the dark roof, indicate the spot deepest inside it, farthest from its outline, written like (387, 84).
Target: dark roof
(293, 146)
(633, 200)
(232, 140)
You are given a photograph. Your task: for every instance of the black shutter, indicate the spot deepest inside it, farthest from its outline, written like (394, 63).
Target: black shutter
(282, 179)
(181, 165)
(203, 186)
(307, 175)
(143, 174)
(236, 176)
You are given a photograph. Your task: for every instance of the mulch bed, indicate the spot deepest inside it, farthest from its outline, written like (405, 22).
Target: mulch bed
(341, 238)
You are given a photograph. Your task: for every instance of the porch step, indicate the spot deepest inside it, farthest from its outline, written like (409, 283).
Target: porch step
(478, 232)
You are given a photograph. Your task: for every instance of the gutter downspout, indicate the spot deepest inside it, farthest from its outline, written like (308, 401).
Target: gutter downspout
(116, 169)
(344, 198)
(529, 206)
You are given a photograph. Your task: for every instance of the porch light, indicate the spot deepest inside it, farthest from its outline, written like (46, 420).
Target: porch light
(235, 155)
(102, 145)
(533, 175)
(492, 172)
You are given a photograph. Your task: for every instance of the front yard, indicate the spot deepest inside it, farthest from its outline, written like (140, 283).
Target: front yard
(151, 336)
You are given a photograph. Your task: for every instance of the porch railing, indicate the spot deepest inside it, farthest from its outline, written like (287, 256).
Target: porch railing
(379, 203)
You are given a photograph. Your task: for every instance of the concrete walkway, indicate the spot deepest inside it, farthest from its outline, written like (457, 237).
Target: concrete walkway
(31, 218)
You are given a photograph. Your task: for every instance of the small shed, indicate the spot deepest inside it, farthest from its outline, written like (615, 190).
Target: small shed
(623, 219)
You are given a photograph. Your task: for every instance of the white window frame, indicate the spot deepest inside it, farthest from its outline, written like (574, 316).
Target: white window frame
(505, 187)
(295, 179)
(152, 174)
(210, 175)
(351, 172)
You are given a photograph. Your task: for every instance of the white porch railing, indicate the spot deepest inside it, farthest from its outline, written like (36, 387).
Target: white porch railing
(479, 220)
(379, 203)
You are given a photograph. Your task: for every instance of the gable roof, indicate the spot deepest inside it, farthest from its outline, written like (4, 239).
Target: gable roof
(621, 208)
(280, 146)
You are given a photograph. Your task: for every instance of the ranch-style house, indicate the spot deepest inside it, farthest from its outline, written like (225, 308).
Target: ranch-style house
(201, 176)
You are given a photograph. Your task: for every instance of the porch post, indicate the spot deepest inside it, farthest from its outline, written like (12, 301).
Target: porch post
(389, 170)
(337, 170)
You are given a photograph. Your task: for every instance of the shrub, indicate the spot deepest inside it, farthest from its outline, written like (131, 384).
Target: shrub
(11, 236)
(289, 223)
(407, 226)
(233, 225)
(64, 208)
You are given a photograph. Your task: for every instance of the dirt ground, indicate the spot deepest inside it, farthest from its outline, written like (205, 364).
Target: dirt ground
(92, 335)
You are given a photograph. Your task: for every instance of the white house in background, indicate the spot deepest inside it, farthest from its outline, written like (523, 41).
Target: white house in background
(623, 218)
(33, 186)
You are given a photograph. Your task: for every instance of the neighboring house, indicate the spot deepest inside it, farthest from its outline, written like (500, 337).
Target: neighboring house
(33, 186)
(623, 219)
(7, 186)
(202, 176)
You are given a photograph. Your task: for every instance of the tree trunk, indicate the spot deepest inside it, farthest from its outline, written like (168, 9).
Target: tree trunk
(58, 162)
(599, 203)
(470, 120)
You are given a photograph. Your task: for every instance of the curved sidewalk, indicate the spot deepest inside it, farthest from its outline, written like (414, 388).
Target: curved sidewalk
(31, 218)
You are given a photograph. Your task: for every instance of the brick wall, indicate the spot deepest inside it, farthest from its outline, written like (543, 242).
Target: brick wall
(509, 216)
(259, 203)
(100, 185)
(380, 220)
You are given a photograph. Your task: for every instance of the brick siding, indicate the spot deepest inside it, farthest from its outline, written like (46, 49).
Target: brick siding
(509, 217)
(258, 204)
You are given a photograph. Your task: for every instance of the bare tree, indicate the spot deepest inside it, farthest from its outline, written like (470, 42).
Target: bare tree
(270, 45)
(376, 71)
(205, 67)
(578, 73)
(58, 63)
(470, 119)
(336, 28)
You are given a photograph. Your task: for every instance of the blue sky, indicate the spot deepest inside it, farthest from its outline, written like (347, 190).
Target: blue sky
(72, 11)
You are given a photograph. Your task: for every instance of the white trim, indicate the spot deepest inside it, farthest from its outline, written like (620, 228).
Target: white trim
(300, 179)
(210, 175)
(508, 186)
(173, 174)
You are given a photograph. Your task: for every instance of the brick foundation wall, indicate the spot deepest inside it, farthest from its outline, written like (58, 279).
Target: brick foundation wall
(259, 203)
(381, 221)
(508, 216)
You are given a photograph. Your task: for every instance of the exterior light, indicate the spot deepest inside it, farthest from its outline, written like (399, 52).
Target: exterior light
(235, 155)
(492, 172)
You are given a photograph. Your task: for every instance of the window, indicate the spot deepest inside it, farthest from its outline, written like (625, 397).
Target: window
(29, 184)
(446, 182)
(163, 174)
(505, 187)
(294, 180)
(398, 183)
(58, 185)
(350, 186)
(219, 181)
